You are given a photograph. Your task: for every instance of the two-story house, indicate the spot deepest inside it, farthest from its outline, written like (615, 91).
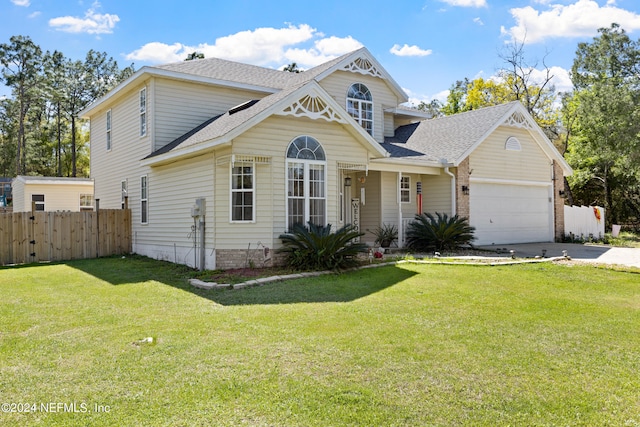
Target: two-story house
(217, 159)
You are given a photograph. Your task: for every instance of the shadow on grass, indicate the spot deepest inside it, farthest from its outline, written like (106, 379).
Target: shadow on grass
(343, 287)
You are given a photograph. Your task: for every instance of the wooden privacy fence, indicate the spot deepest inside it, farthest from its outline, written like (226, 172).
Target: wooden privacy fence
(59, 236)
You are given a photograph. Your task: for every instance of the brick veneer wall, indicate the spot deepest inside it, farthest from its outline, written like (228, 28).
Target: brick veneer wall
(462, 178)
(558, 202)
(238, 258)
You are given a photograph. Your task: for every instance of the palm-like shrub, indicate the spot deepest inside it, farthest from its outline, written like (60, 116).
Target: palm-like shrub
(316, 248)
(428, 232)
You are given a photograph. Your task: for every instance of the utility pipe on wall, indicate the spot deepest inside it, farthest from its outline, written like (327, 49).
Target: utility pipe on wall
(446, 165)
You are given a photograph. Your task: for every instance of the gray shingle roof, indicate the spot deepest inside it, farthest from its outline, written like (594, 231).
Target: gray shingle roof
(230, 71)
(445, 138)
(236, 72)
(219, 126)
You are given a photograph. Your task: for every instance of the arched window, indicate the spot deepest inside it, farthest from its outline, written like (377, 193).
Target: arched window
(306, 182)
(360, 106)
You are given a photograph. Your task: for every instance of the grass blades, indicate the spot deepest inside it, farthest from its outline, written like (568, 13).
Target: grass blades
(538, 344)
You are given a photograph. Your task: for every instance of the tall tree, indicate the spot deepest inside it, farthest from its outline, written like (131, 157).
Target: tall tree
(21, 61)
(86, 82)
(56, 79)
(605, 142)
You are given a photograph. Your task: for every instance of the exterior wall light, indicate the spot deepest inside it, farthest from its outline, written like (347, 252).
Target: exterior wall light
(347, 181)
(465, 190)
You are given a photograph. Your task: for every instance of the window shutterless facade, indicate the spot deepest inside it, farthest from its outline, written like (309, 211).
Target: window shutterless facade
(306, 182)
(144, 199)
(405, 189)
(86, 202)
(124, 189)
(360, 106)
(108, 130)
(143, 112)
(242, 192)
(38, 199)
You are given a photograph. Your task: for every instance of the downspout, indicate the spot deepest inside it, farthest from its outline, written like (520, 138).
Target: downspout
(446, 165)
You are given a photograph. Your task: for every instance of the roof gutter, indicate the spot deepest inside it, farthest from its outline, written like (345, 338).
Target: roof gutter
(447, 165)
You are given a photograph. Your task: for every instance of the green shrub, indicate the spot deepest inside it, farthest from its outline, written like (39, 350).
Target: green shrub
(316, 248)
(428, 232)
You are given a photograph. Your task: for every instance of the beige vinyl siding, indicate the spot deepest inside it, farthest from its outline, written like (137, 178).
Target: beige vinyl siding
(389, 124)
(410, 209)
(338, 83)
(271, 138)
(491, 160)
(172, 191)
(436, 193)
(390, 196)
(122, 162)
(370, 213)
(18, 195)
(181, 106)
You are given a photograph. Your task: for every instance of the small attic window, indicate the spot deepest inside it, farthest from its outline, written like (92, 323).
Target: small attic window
(512, 144)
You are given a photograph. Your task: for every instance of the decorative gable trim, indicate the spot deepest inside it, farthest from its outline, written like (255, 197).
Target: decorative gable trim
(350, 166)
(519, 120)
(313, 107)
(363, 66)
(243, 158)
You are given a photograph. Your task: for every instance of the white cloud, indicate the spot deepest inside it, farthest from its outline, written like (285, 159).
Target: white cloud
(579, 19)
(262, 46)
(35, 14)
(416, 98)
(92, 23)
(466, 3)
(407, 50)
(561, 78)
(478, 21)
(24, 3)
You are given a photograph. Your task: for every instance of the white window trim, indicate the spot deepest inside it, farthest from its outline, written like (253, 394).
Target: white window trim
(143, 112)
(144, 198)
(406, 189)
(359, 119)
(39, 203)
(307, 183)
(124, 191)
(109, 133)
(87, 207)
(232, 191)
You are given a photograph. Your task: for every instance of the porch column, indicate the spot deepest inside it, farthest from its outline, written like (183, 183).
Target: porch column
(400, 228)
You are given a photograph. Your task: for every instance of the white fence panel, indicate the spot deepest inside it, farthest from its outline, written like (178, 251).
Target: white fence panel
(584, 221)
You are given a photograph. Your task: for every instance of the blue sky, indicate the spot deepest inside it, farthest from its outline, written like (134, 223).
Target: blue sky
(426, 45)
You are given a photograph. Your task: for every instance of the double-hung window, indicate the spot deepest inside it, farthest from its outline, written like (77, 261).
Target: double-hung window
(86, 202)
(306, 182)
(143, 112)
(144, 199)
(405, 189)
(360, 106)
(38, 200)
(242, 192)
(108, 130)
(124, 190)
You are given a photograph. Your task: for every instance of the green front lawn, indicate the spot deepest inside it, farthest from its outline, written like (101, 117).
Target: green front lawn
(537, 344)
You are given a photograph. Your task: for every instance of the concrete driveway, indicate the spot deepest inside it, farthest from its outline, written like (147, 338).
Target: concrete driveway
(599, 254)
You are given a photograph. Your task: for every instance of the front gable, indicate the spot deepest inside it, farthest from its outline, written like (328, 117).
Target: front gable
(509, 135)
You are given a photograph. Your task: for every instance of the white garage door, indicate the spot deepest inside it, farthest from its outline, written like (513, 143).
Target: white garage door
(510, 213)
